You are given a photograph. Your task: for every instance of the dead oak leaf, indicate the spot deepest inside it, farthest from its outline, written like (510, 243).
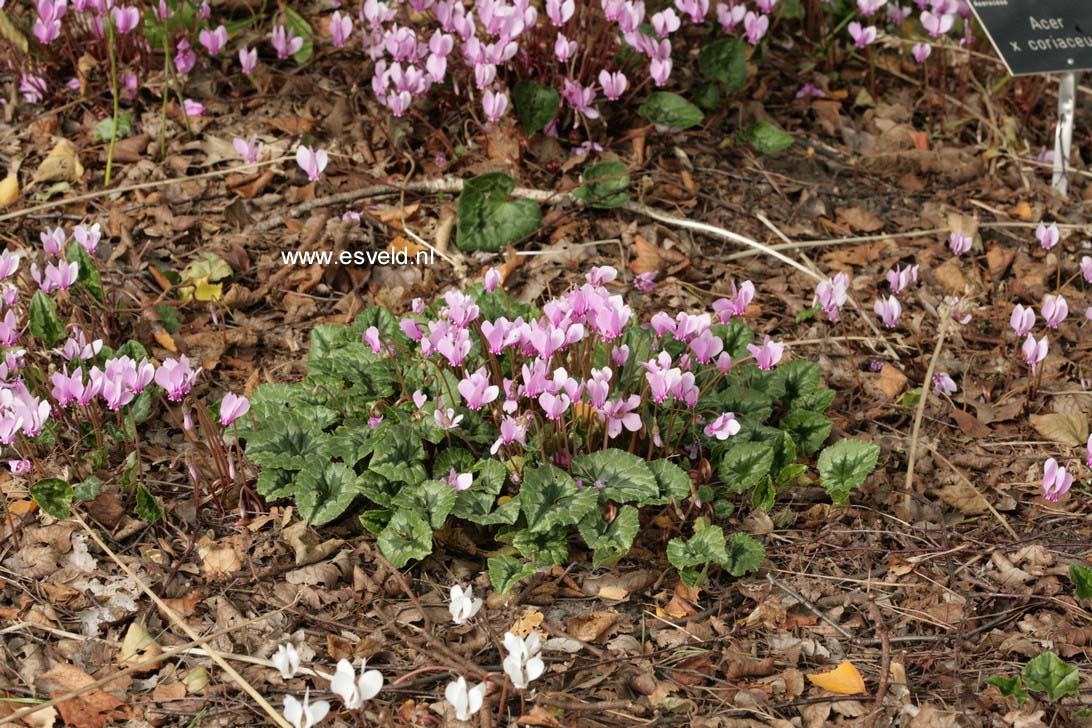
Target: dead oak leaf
(591, 626)
(1065, 429)
(92, 709)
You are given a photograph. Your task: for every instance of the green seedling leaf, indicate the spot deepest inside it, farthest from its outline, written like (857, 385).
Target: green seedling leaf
(88, 489)
(406, 537)
(745, 555)
(53, 496)
(844, 466)
(487, 219)
(670, 112)
(725, 61)
(536, 105)
(604, 185)
(44, 322)
(705, 546)
(105, 128)
(507, 571)
(1050, 674)
(147, 506)
(1081, 576)
(1010, 687)
(766, 138)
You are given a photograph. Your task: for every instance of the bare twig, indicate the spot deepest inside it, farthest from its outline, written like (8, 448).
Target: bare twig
(814, 609)
(249, 689)
(926, 388)
(967, 481)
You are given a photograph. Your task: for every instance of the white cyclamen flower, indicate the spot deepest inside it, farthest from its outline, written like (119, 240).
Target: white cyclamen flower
(467, 701)
(287, 660)
(355, 691)
(524, 662)
(463, 604)
(306, 714)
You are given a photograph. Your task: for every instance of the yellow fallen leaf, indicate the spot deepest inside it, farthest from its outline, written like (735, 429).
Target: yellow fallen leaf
(60, 165)
(613, 593)
(844, 680)
(208, 291)
(527, 622)
(9, 190)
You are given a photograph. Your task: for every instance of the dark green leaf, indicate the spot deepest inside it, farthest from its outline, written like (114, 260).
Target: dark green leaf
(398, 454)
(147, 506)
(669, 111)
(1081, 576)
(434, 498)
(105, 128)
(767, 138)
(53, 496)
(544, 547)
(407, 536)
(323, 493)
(809, 430)
(672, 481)
(603, 185)
(487, 220)
(506, 571)
(624, 477)
(725, 60)
(844, 466)
(43, 319)
(705, 546)
(744, 555)
(1010, 687)
(609, 540)
(375, 521)
(550, 498)
(745, 465)
(536, 105)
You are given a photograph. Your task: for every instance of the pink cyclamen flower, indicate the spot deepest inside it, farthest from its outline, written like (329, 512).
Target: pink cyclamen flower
(341, 27)
(1048, 236)
(248, 59)
(944, 384)
(232, 407)
(476, 389)
(619, 414)
(1022, 319)
(285, 42)
(1086, 268)
(1089, 448)
(1035, 351)
(863, 36)
(1054, 309)
(213, 40)
(492, 279)
(869, 7)
(419, 398)
(511, 430)
(899, 278)
(53, 240)
(250, 151)
(554, 405)
(193, 108)
(87, 237)
(184, 58)
(832, 294)
(1056, 479)
(459, 481)
(921, 51)
(810, 91)
(645, 282)
(769, 354)
(494, 104)
(312, 161)
(889, 309)
(560, 11)
(755, 26)
(937, 25)
(176, 377)
(9, 263)
(723, 427)
(19, 468)
(614, 84)
(125, 19)
(446, 419)
(959, 242)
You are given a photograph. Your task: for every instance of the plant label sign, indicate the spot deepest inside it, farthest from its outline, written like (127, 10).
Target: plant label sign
(1039, 36)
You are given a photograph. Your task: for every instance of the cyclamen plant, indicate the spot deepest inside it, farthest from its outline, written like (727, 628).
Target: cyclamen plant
(532, 422)
(64, 390)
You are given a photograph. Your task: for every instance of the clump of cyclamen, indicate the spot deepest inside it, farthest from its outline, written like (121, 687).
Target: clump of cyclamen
(536, 374)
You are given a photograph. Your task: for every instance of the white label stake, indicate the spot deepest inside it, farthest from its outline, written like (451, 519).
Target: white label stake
(1063, 134)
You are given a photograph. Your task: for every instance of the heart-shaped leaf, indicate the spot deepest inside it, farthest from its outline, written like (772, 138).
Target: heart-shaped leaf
(487, 219)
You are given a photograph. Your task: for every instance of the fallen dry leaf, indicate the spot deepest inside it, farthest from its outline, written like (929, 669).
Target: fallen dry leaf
(92, 709)
(9, 190)
(1065, 429)
(844, 680)
(527, 622)
(62, 164)
(591, 626)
